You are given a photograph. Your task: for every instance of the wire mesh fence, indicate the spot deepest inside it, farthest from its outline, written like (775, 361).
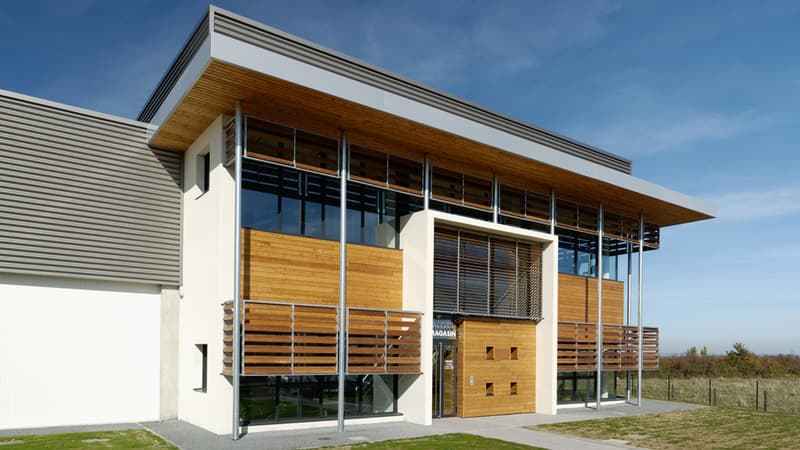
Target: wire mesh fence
(772, 394)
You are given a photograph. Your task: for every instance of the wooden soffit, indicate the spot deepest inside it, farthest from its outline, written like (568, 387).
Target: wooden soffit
(221, 85)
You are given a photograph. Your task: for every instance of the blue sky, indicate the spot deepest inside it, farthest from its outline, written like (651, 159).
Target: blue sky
(704, 97)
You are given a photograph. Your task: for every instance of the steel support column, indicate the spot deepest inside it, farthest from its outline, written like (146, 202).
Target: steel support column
(628, 250)
(495, 198)
(342, 344)
(426, 181)
(237, 288)
(552, 212)
(639, 311)
(599, 304)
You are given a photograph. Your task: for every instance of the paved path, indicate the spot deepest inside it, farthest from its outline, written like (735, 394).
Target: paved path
(508, 428)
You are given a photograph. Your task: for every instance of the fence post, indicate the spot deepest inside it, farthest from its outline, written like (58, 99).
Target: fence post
(715, 396)
(756, 395)
(669, 388)
(765, 400)
(709, 391)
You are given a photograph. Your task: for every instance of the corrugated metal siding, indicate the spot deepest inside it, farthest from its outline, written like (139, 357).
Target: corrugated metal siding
(256, 34)
(83, 195)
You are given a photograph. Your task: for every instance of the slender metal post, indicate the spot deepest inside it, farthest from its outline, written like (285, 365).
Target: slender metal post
(237, 288)
(495, 198)
(628, 250)
(552, 211)
(639, 310)
(426, 181)
(599, 303)
(342, 280)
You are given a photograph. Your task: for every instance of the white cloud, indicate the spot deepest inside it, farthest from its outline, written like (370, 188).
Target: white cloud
(759, 204)
(657, 130)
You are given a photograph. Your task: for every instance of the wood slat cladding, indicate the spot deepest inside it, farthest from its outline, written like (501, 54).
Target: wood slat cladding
(280, 339)
(577, 347)
(295, 269)
(475, 370)
(221, 85)
(383, 341)
(577, 299)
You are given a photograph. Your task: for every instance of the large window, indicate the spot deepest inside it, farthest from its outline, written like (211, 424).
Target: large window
(295, 398)
(285, 200)
(296, 148)
(483, 275)
(373, 214)
(461, 189)
(385, 170)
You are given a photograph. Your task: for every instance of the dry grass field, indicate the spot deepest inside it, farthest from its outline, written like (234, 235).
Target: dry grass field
(704, 428)
(783, 394)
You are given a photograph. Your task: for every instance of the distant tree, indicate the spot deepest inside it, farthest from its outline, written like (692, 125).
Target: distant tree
(743, 360)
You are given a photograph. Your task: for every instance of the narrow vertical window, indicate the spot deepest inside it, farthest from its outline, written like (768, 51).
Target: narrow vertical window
(513, 388)
(489, 389)
(203, 349)
(203, 172)
(489, 352)
(513, 353)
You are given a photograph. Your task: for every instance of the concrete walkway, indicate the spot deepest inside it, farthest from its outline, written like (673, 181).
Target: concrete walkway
(507, 428)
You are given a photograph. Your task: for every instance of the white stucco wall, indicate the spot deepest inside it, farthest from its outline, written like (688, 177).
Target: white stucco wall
(78, 352)
(208, 241)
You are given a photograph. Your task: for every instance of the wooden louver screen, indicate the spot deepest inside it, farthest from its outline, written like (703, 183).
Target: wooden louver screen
(577, 347)
(294, 339)
(482, 275)
(284, 339)
(383, 341)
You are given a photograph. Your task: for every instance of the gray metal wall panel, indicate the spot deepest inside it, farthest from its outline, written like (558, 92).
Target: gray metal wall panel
(83, 195)
(265, 37)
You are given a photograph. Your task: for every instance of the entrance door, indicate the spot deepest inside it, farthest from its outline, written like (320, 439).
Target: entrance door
(444, 378)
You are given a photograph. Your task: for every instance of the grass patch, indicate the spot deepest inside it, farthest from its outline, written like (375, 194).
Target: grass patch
(123, 439)
(707, 428)
(455, 441)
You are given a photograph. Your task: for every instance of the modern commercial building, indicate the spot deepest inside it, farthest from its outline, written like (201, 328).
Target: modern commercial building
(287, 237)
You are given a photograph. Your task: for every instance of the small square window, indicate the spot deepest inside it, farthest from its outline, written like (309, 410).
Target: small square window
(489, 389)
(489, 352)
(513, 353)
(513, 388)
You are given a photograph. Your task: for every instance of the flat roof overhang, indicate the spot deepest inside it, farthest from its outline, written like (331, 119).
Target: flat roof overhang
(222, 70)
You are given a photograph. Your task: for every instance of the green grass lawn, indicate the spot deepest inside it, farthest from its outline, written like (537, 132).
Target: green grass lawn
(455, 441)
(123, 439)
(706, 428)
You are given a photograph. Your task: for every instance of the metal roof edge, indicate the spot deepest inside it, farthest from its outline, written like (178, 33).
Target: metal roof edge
(457, 105)
(77, 110)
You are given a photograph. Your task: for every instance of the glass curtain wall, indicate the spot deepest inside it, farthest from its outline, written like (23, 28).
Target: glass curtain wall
(294, 398)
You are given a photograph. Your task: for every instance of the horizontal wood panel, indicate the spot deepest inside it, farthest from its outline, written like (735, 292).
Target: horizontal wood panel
(295, 269)
(577, 299)
(577, 347)
(474, 335)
